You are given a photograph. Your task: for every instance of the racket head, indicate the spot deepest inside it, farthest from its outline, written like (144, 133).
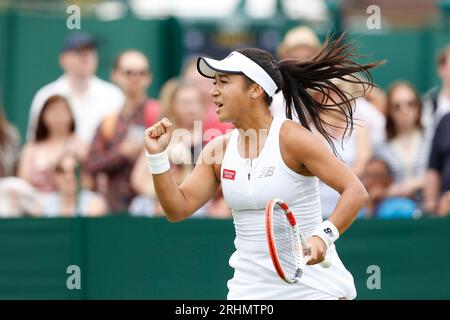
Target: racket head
(285, 242)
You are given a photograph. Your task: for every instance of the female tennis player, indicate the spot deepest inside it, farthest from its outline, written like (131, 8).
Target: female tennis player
(268, 157)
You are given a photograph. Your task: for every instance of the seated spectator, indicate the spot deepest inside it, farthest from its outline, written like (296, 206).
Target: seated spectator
(18, 198)
(55, 135)
(70, 199)
(407, 147)
(90, 97)
(377, 178)
(211, 124)
(437, 100)
(119, 140)
(9, 147)
(181, 102)
(437, 182)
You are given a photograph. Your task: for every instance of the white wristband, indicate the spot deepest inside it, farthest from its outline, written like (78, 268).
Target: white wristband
(158, 163)
(328, 232)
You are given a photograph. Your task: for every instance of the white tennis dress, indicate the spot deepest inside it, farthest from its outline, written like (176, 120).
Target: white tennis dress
(247, 187)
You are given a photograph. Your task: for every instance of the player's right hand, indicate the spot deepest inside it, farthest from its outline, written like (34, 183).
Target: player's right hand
(157, 137)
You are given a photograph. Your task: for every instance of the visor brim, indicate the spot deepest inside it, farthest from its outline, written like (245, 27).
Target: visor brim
(209, 67)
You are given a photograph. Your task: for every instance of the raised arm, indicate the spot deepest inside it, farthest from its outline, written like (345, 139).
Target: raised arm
(179, 202)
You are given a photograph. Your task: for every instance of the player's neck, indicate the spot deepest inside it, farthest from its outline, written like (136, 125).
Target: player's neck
(259, 118)
(253, 134)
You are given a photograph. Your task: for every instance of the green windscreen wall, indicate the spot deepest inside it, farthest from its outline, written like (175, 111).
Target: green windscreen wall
(122, 257)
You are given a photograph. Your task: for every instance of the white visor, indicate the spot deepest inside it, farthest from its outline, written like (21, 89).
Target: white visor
(237, 63)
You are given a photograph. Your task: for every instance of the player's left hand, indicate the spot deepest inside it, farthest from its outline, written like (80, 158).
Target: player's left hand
(318, 250)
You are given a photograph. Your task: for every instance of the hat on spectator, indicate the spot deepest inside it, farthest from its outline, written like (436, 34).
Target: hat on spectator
(298, 36)
(78, 40)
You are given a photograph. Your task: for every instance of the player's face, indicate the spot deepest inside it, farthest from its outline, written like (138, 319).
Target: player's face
(231, 96)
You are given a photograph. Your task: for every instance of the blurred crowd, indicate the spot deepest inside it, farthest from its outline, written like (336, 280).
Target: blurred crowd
(83, 151)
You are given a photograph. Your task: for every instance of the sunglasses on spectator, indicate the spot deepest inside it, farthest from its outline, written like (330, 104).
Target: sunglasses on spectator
(409, 103)
(129, 72)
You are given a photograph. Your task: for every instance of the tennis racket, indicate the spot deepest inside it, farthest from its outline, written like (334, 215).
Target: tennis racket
(287, 246)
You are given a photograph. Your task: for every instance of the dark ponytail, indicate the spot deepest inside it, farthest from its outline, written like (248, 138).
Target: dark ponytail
(301, 82)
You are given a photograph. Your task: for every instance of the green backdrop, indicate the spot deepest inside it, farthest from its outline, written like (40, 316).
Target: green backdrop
(122, 257)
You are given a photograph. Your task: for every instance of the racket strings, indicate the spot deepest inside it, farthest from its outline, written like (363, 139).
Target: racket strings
(285, 242)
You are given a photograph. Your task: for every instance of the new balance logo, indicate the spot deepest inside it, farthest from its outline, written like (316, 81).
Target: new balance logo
(266, 172)
(329, 232)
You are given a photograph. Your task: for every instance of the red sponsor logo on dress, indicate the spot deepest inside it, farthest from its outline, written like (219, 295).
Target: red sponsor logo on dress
(228, 174)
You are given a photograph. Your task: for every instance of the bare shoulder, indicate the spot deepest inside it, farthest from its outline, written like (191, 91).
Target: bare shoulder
(298, 145)
(294, 135)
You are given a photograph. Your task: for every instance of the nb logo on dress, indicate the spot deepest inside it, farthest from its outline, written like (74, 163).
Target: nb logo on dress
(266, 172)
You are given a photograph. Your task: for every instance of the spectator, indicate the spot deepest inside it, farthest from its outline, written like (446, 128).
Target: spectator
(369, 113)
(70, 199)
(300, 43)
(211, 124)
(437, 100)
(181, 102)
(437, 190)
(377, 178)
(120, 138)
(90, 97)
(18, 198)
(407, 147)
(55, 134)
(9, 147)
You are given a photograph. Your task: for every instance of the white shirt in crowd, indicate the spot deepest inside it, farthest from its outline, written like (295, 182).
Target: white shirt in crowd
(369, 116)
(101, 99)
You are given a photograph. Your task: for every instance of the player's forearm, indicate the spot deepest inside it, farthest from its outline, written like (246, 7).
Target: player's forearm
(350, 203)
(171, 197)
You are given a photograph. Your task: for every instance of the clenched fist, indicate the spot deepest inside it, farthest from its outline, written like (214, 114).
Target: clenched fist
(157, 137)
